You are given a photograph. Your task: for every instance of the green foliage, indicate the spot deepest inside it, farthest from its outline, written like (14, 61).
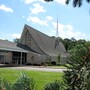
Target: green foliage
(56, 85)
(4, 85)
(16, 40)
(75, 2)
(24, 83)
(0, 84)
(40, 77)
(78, 73)
(71, 43)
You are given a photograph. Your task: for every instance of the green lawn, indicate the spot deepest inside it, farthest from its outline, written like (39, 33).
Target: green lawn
(41, 78)
(57, 67)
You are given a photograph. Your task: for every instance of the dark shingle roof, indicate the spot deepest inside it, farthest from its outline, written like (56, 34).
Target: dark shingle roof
(46, 43)
(11, 46)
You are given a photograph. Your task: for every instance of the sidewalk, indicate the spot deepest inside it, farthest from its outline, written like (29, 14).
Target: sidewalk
(37, 68)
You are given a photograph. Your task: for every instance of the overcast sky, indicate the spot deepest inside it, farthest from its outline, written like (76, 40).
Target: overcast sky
(72, 22)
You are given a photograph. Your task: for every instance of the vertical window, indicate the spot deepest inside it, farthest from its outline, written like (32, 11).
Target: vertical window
(28, 38)
(1, 58)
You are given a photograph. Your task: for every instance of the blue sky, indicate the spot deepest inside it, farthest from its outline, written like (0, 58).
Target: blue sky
(72, 22)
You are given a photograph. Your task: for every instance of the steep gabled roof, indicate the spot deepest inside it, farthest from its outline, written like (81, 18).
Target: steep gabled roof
(46, 43)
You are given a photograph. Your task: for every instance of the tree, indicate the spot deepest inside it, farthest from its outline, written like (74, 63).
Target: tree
(16, 40)
(76, 3)
(67, 43)
(81, 41)
(77, 77)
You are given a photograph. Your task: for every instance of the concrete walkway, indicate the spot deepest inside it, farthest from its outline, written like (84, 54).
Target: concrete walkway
(38, 68)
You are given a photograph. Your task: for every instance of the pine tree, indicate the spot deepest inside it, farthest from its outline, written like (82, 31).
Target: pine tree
(77, 77)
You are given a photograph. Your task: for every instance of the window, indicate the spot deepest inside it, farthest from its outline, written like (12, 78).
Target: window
(1, 58)
(28, 38)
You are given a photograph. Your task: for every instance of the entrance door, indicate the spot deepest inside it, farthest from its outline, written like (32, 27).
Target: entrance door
(16, 57)
(1, 59)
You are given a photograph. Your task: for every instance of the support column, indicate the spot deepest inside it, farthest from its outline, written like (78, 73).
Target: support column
(4, 57)
(21, 59)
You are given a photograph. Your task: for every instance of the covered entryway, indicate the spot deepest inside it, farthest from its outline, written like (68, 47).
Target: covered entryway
(1, 57)
(4, 57)
(13, 53)
(19, 58)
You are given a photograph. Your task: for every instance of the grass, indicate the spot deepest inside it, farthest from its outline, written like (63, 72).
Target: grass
(57, 67)
(41, 78)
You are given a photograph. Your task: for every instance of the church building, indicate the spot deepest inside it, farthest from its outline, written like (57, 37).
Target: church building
(34, 47)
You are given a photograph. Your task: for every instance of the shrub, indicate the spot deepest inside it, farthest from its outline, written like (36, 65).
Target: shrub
(56, 85)
(4, 85)
(24, 83)
(53, 62)
(28, 64)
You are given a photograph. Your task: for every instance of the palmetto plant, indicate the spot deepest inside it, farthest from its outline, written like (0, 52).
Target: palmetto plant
(56, 85)
(4, 85)
(24, 83)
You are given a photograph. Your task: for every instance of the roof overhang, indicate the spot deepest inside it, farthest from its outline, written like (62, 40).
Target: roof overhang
(12, 49)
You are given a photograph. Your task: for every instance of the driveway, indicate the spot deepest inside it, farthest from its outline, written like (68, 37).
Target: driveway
(37, 68)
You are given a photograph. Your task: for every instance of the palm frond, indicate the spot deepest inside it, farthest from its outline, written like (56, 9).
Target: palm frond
(88, 1)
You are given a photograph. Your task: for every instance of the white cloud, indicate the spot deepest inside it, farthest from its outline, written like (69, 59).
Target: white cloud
(67, 31)
(5, 8)
(15, 35)
(69, 27)
(2, 38)
(49, 18)
(37, 20)
(23, 16)
(60, 26)
(71, 33)
(37, 9)
(31, 1)
(41, 1)
(11, 37)
(61, 1)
